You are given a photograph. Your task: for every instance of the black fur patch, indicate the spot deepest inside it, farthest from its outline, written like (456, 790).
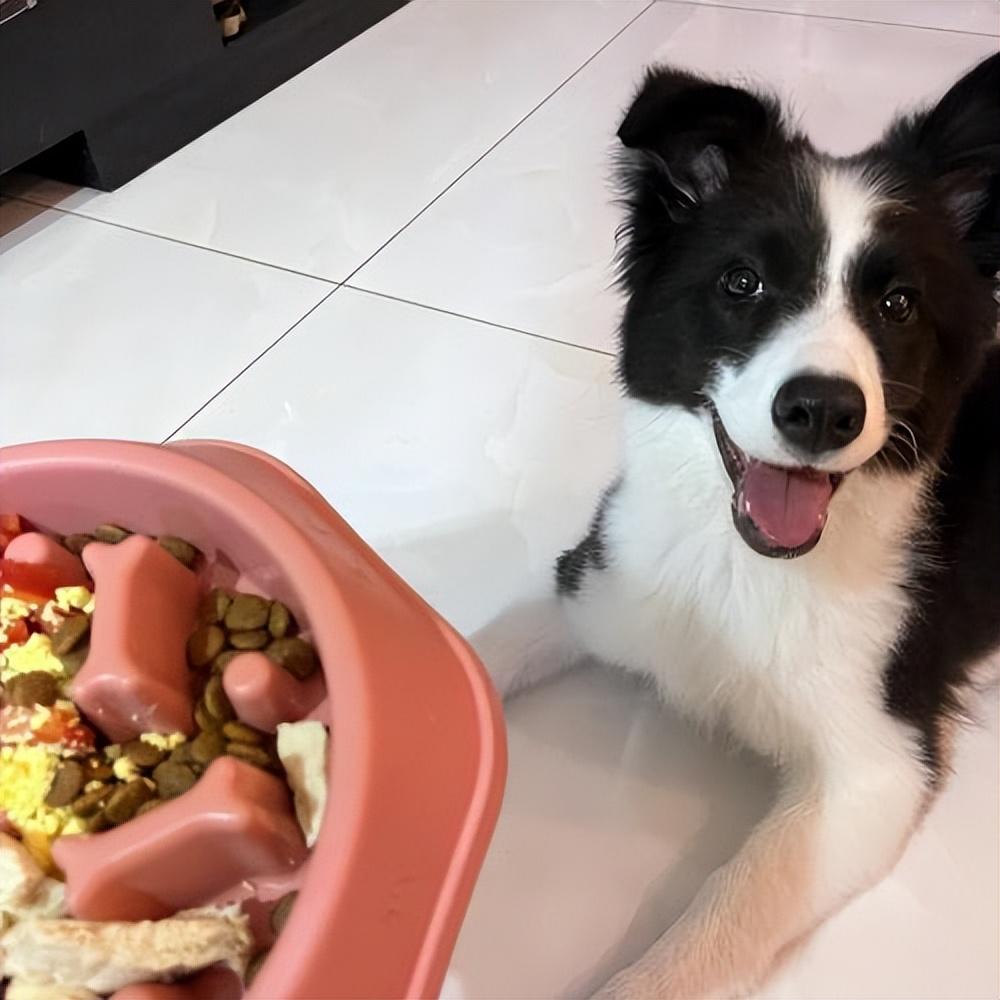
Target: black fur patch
(691, 217)
(589, 554)
(939, 237)
(956, 593)
(928, 361)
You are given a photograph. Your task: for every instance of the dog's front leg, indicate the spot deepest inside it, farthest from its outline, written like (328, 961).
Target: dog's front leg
(834, 831)
(526, 644)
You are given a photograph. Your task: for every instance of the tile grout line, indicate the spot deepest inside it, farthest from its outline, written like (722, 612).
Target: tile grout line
(170, 239)
(250, 364)
(478, 319)
(506, 135)
(405, 226)
(826, 17)
(392, 298)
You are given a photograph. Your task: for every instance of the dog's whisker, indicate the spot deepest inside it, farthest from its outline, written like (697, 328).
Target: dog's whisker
(911, 438)
(918, 393)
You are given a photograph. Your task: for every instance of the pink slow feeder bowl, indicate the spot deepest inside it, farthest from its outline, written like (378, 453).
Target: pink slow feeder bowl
(417, 750)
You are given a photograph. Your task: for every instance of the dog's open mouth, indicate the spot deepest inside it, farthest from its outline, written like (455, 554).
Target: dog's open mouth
(779, 512)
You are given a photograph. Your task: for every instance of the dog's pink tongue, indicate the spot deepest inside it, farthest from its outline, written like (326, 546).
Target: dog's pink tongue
(787, 505)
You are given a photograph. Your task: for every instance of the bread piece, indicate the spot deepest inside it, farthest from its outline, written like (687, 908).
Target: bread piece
(20, 876)
(104, 956)
(302, 750)
(38, 989)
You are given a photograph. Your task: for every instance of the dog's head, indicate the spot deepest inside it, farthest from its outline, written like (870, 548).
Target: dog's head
(826, 314)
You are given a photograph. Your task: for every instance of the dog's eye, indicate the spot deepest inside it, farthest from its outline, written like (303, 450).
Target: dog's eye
(899, 305)
(742, 283)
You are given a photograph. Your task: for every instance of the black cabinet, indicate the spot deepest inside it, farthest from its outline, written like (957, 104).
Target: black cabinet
(96, 92)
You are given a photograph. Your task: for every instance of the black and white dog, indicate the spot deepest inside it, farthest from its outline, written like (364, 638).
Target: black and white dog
(803, 543)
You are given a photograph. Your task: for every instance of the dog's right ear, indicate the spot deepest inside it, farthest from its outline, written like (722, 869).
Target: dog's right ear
(692, 135)
(956, 146)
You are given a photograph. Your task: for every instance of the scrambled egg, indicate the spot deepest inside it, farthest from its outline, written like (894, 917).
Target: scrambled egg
(168, 743)
(67, 599)
(124, 769)
(12, 609)
(75, 599)
(26, 768)
(25, 776)
(35, 654)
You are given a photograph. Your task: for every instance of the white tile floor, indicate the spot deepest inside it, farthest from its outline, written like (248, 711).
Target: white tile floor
(393, 272)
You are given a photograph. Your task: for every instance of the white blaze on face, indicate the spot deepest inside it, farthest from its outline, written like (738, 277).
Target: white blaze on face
(825, 339)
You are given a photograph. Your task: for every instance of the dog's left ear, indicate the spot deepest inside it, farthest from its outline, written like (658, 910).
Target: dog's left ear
(694, 134)
(956, 144)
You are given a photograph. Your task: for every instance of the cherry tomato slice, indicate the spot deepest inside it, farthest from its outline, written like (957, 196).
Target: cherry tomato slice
(14, 634)
(61, 729)
(28, 582)
(65, 730)
(11, 525)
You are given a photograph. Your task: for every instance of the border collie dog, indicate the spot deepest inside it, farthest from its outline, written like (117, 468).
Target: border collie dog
(803, 542)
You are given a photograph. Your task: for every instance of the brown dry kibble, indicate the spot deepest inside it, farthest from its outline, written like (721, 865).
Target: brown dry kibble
(181, 754)
(240, 732)
(216, 701)
(183, 551)
(77, 543)
(203, 718)
(69, 778)
(95, 823)
(91, 803)
(280, 914)
(208, 745)
(223, 660)
(252, 755)
(213, 607)
(294, 655)
(173, 779)
(69, 634)
(110, 534)
(143, 754)
(34, 688)
(148, 806)
(74, 660)
(279, 621)
(204, 645)
(125, 800)
(247, 612)
(257, 638)
(97, 770)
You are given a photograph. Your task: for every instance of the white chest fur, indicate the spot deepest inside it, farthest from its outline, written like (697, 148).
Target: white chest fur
(786, 654)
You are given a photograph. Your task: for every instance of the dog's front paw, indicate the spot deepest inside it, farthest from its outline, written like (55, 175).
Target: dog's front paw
(670, 973)
(628, 984)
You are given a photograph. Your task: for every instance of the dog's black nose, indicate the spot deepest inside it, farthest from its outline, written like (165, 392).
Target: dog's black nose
(817, 413)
